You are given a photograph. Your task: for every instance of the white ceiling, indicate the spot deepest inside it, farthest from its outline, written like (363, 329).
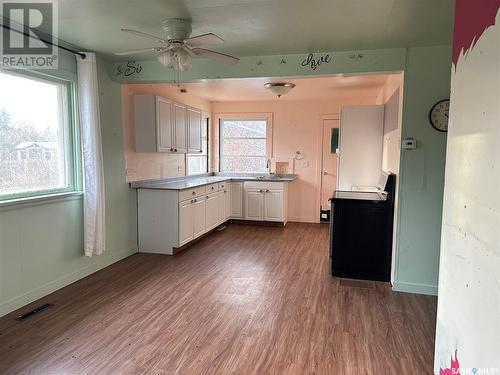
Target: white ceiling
(262, 27)
(317, 88)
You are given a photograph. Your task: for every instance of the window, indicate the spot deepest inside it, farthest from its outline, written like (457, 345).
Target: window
(243, 145)
(37, 139)
(198, 163)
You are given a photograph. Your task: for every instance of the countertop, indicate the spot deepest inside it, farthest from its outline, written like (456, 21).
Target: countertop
(360, 195)
(195, 181)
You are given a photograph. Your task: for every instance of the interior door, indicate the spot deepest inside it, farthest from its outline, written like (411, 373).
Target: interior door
(329, 162)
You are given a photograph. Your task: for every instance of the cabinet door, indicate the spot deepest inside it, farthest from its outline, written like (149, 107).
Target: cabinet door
(227, 202)
(254, 205)
(221, 207)
(236, 197)
(186, 216)
(164, 129)
(199, 212)
(180, 128)
(194, 130)
(212, 211)
(273, 205)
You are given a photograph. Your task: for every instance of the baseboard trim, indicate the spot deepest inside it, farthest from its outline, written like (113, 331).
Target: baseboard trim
(401, 286)
(44, 290)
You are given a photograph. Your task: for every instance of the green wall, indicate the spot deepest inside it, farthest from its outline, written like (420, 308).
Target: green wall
(427, 80)
(41, 245)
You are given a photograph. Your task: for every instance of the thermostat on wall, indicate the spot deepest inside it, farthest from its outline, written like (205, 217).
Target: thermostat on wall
(409, 143)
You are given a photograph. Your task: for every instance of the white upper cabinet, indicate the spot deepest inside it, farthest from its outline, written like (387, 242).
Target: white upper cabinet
(180, 128)
(194, 130)
(162, 125)
(164, 128)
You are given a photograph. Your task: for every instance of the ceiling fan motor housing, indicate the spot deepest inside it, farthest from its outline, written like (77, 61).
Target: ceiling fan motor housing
(176, 28)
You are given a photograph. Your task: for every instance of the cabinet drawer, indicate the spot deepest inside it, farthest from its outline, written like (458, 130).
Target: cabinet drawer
(257, 185)
(191, 193)
(212, 188)
(223, 186)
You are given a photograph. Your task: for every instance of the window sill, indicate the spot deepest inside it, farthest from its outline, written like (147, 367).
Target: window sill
(40, 200)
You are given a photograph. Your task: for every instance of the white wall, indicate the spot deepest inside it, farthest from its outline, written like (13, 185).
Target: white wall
(469, 281)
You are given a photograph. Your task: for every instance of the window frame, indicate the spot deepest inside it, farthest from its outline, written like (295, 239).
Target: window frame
(206, 121)
(267, 117)
(72, 142)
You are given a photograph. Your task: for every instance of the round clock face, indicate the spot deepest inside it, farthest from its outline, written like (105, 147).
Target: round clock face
(439, 115)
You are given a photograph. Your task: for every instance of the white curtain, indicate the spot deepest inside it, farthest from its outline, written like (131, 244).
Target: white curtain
(90, 128)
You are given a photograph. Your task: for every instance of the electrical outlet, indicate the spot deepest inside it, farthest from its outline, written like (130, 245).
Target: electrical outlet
(304, 164)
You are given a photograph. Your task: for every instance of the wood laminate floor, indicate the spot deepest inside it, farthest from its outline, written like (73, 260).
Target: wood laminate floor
(248, 300)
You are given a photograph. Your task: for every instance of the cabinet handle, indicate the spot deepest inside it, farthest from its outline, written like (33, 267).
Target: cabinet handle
(225, 191)
(200, 151)
(261, 191)
(171, 149)
(267, 190)
(196, 200)
(192, 200)
(213, 188)
(175, 150)
(194, 193)
(207, 196)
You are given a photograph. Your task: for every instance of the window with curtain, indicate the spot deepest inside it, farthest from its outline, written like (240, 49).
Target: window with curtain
(37, 138)
(243, 145)
(198, 163)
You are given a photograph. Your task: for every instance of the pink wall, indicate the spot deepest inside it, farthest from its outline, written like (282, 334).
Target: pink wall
(142, 166)
(297, 125)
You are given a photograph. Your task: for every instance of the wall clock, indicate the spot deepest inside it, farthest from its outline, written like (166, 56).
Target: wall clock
(439, 115)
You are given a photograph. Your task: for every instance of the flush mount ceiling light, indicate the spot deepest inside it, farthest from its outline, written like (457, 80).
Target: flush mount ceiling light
(279, 89)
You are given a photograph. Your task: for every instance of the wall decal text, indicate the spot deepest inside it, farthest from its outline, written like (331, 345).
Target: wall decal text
(312, 62)
(130, 69)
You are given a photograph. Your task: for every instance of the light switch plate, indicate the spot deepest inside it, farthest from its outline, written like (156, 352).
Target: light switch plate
(305, 164)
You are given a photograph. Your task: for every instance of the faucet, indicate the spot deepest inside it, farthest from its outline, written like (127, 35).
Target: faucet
(268, 166)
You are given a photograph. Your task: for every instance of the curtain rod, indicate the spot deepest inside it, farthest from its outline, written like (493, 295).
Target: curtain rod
(82, 55)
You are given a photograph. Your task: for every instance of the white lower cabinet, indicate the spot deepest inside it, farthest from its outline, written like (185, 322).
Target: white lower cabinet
(254, 204)
(236, 196)
(186, 215)
(212, 211)
(199, 223)
(169, 219)
(266, 201)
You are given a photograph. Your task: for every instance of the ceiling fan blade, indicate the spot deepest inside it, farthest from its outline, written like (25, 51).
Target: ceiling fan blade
(145, 35)
(215, 55)
(139, 51)
(203, 40)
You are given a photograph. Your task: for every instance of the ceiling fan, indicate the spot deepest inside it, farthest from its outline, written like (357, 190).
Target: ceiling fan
(176, 47)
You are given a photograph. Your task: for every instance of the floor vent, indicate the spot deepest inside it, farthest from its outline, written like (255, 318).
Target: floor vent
(357, 283)
(221, 228)
(33, 312)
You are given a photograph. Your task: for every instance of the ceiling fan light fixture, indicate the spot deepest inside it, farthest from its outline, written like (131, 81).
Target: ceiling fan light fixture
(166, 58)
(279, 88)
(183, 59)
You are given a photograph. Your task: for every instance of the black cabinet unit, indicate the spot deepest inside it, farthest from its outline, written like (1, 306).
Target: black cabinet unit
(361, 233)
